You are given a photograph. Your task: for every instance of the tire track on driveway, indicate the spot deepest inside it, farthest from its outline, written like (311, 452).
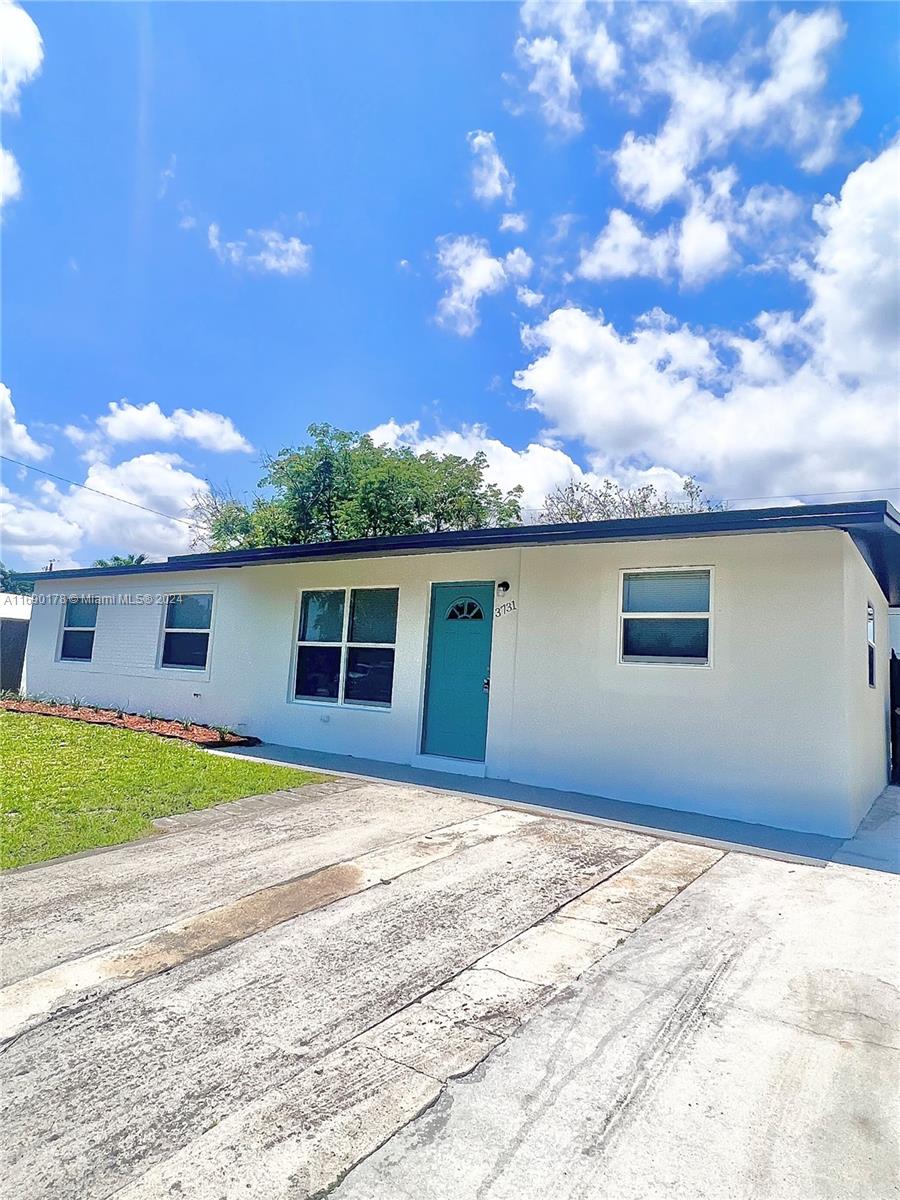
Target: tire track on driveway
(274, 1148)
(29, 1002)
(99, 1097)
(73, 906)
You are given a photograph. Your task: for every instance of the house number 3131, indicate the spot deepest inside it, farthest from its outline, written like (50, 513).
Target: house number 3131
(502, 609)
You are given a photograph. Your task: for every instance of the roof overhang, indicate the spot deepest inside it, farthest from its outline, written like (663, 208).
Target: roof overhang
(873, 525)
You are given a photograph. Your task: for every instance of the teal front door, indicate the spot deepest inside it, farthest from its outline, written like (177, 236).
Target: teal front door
(459, 663)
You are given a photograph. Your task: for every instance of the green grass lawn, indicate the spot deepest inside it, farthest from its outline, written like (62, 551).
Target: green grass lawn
(67, 786)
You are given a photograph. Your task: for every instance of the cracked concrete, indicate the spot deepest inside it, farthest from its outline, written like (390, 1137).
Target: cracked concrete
(741, 1044)
(381, 991)
(136, 1079)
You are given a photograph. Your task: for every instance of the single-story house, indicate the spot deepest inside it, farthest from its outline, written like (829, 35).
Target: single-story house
(729, 663)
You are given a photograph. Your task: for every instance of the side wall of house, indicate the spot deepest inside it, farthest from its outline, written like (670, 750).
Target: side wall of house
(867, 708)
(762, 734)
(759, 735)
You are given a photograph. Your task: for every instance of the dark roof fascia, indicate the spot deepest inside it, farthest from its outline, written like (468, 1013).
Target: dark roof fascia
(869, 522)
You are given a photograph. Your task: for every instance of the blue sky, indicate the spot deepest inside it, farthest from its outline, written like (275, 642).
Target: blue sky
(225, 221)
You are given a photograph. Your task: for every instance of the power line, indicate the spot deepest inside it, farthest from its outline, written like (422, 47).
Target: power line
(789, 496)
(182, 521)
(96, 491)
(815, 495)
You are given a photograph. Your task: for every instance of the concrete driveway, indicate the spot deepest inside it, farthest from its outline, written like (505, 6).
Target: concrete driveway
(386, 991)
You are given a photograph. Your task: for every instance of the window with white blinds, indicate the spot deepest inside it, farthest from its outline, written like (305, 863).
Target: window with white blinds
(665, 616)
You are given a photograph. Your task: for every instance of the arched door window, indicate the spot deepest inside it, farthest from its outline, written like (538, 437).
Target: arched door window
(465, 610)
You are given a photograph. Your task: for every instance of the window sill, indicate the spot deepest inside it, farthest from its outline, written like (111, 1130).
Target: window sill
(335, 706)
(665, 662)
(192, 673)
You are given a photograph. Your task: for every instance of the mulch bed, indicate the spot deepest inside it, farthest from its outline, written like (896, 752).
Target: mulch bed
(200, 735)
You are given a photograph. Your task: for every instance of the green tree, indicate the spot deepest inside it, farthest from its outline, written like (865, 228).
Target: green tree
(11, 583)
(341, 485)
(578, 501)
(220, 519)
(120, 560)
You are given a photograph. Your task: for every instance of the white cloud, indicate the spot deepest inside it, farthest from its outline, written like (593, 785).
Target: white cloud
(565, 43)
(17, 442)
(767, 207)
(711, 104)
(807, 404)
(32, 536)
(127, 422)
(513, 223)
(187, 220)
(166, 175)
(715, 233)
(264, 250)
(471, 271)
(623, 250)
(704, 247)
(10, 177)
(21, 53)
(518, 264)
(159, 481)
(529, 298)
(76, 521)
(491, 179)
(553, 80)
(562, 225)
(82, 522)
(538, 468)
(855, 306)
(796, 405)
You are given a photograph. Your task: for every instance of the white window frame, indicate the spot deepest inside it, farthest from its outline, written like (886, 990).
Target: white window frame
(631, 661)
(344, 645)
(871, 645)
(191, 672)
(64, 629)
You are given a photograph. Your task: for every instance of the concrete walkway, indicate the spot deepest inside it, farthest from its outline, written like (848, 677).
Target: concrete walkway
(876, 844)
(393, 991)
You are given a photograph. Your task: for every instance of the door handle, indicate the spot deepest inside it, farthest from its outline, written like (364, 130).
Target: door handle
(486, 686)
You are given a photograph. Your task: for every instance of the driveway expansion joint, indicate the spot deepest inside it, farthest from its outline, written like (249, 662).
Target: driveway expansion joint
(441, 1032)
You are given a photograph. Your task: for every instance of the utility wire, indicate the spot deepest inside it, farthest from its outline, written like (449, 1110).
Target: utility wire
(786, 496)
(815, 495)
(182, 521)
(96, 491)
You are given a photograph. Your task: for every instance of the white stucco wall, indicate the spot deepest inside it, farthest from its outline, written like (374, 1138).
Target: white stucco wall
(776, 730)
(867, 708)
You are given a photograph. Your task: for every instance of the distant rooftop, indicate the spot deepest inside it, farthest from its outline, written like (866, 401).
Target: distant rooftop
(16, 607)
